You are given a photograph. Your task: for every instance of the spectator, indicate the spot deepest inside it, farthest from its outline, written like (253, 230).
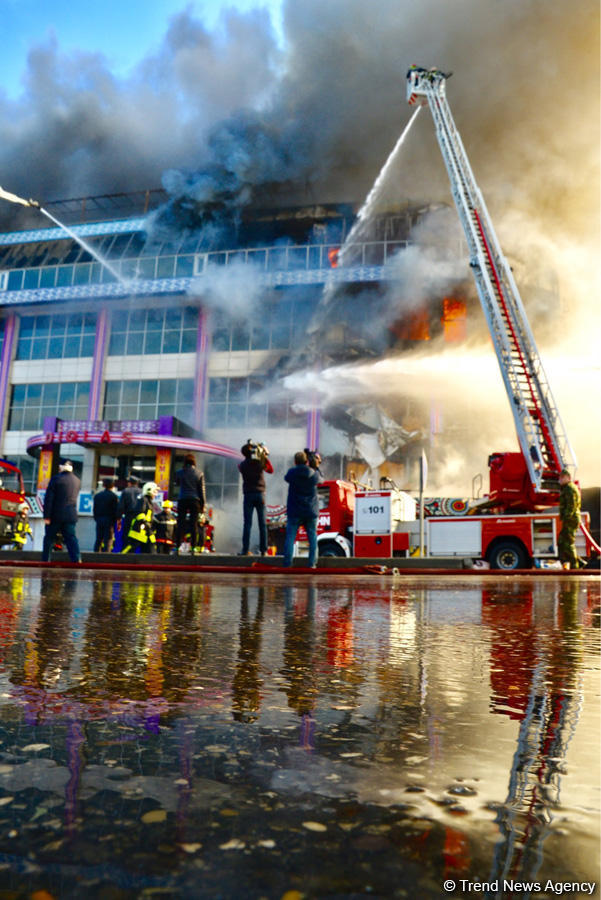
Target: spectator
(60, 511)
(252, 468)
(105, 507)
(191, 500)
(303, 506)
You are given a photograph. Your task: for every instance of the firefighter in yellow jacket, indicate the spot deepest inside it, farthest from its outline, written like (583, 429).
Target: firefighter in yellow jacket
(569, 515)
(21, 526)
(141, 534)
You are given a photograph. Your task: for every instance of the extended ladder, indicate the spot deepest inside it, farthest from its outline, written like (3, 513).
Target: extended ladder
(541, 434)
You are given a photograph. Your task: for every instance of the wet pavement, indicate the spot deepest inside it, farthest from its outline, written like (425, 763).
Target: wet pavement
(253, 736)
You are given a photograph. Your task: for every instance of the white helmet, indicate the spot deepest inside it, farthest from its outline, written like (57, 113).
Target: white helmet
(150, 488)
(23, 507)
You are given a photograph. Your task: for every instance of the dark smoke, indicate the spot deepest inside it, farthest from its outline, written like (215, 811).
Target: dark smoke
(241, 119)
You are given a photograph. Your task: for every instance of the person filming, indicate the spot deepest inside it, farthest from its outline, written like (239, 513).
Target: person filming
(302, 507)
(252, 468)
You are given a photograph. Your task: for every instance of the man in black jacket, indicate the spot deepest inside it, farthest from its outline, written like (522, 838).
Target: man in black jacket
(191, 500)
(105, 516)
(252, 468)
(60, 511)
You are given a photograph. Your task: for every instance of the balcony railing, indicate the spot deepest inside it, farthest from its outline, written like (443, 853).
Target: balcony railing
(305, 257)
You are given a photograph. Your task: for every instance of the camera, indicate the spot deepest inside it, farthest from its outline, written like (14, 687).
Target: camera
(313, 458)
(255, 450)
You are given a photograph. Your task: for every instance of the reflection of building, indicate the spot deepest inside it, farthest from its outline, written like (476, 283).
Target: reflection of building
(186, 353)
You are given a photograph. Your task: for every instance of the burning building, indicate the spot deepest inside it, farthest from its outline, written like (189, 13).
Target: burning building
(196, 348)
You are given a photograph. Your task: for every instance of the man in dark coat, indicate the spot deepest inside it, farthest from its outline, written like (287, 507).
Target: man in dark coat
(127, 502)
(191, 500)
(253, 468)
(303, 505)
(105, 516)
(60, 511)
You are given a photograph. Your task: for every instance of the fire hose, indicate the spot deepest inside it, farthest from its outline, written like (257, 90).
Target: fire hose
(589, 537)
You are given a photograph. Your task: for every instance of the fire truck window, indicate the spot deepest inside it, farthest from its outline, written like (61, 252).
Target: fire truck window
(323, 496)
(9, 480)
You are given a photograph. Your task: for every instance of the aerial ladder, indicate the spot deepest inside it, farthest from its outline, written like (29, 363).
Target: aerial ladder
(545, 449)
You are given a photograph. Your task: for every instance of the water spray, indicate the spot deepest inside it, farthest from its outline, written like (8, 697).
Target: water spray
(13, 198)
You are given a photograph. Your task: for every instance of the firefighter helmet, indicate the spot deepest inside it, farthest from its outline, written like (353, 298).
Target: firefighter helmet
(167, 504)
(150, 488)
(23, 507)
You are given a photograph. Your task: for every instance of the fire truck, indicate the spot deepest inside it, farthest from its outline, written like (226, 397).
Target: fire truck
(12, 492)
(516, 524)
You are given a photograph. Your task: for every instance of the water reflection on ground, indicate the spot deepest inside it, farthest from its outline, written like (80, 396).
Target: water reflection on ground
(269, 737)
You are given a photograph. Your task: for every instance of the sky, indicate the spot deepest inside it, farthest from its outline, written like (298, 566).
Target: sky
(124, 31)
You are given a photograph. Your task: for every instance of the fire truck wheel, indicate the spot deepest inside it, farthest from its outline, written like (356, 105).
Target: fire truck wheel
(508, 555)
(330, 548)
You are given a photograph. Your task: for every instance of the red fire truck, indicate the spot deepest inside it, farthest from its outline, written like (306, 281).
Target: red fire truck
(517, 523)
(12, 492)
(384, 524)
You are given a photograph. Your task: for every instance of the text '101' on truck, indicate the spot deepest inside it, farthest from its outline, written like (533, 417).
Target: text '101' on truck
(516, 524)
(12, 493)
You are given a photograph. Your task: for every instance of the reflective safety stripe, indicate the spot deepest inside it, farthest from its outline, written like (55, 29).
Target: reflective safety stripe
(138, 530)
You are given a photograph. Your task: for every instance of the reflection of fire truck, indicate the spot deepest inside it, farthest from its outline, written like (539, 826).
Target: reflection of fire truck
(12, 493)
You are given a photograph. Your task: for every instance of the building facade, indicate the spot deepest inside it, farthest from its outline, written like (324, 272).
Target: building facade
(123, 350)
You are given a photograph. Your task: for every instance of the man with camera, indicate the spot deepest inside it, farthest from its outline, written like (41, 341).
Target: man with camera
(302, 507)
(252, 468)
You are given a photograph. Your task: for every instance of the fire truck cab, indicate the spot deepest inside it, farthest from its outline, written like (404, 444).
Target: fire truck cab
(12, 492)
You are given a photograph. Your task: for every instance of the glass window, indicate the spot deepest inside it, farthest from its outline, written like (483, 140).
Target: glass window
(48, 277)
(155, 319)
(39, 348)
(42, 325)
(148, 391)
(165, 267)
(67, 393)
(188, 341)
(153, 342)
(167, 389)
(117, 344)
(15, 280)
(31, 403)
(171, 330)
(32, 278)
(240, 338)
(171, 342)
(71, 346)
(58, 325)
(130, 391)
(49, 341)
(64, 276)
(87, 345)
(149, 398)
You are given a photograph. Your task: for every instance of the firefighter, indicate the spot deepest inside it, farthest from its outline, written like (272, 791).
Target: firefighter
(166, 524)
(205, 533)
(141, 534)
(21, 527)
(569, 515)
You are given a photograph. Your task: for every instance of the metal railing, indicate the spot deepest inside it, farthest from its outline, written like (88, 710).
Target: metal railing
(305, 257)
